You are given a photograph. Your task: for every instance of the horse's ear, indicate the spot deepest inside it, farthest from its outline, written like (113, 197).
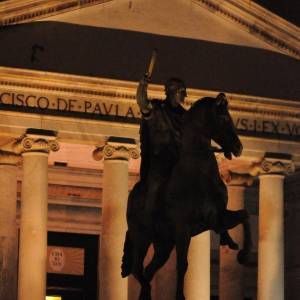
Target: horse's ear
(221, 100)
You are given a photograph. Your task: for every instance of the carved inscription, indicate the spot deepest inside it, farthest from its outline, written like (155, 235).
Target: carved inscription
(130, 111)
(267, 126)
(105, 107)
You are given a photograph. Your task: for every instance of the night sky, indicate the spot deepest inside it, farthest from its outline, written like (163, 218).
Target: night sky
(287, 9)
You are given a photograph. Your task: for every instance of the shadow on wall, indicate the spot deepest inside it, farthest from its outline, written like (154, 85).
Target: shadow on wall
(121, 54)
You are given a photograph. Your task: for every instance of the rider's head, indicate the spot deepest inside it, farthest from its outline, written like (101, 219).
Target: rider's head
(175, 91)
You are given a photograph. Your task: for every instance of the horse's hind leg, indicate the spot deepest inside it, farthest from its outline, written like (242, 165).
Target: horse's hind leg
(162, 250)
(140, 252)
(183, 240)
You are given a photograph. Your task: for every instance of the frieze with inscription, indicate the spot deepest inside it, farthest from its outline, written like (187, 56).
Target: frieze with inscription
(268, 127)
(127, 111)
(66, 104)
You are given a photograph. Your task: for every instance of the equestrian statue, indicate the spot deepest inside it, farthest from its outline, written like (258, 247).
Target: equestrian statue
(180, 193)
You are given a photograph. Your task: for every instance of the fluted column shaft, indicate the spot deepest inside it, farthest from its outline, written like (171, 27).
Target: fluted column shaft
(33, 227)
(8, 226)
(114, 226)
(33, 221)
(271, 227)
(115, 193)
(271, 238)
(197, 278)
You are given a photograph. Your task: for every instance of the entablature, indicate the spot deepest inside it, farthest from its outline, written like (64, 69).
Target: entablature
(88, 110)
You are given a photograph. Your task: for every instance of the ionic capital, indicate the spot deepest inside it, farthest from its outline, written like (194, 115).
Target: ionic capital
(273, 166)
(115, 150)
(236, 179)
(31, 143)
(236, 172)
(35, 140)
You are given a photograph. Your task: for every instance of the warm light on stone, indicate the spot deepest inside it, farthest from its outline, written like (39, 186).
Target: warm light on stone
(271, 238)
(8, 226)
(197, 278)
(34, 217)
(115, 192)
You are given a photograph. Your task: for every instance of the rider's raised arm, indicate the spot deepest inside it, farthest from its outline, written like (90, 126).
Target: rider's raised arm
(142, 97)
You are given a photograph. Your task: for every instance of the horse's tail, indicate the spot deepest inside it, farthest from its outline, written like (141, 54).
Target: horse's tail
(127, 257)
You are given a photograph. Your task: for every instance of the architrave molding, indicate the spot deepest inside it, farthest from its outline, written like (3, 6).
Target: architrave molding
(121, 90)
(273, 124)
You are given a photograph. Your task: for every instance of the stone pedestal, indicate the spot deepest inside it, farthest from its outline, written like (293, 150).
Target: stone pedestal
(197, 278)
(33, 222)
(114, 226)
(8, 226)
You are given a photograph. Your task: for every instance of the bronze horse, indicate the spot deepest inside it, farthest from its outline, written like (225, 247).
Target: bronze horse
(194, 199)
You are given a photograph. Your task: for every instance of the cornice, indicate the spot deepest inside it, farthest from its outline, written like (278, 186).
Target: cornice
(23, 11)
(69, 84)
(259, 22)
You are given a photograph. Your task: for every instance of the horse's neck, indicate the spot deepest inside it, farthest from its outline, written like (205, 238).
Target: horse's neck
(194, 140)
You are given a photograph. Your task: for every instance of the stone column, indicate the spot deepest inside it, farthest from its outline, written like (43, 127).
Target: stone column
(231, 273)
(36, 146)
(8, 225)
(271, 229)
(114, 226)
(197, 278)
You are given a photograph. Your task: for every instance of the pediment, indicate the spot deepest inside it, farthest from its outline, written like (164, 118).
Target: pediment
(177, 18)
(196, 41)
(236, 22)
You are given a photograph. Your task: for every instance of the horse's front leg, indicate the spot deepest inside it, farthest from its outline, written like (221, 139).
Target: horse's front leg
(140, 251)
(162, 250)
(183, 240)
(243, 255)
(232, 219)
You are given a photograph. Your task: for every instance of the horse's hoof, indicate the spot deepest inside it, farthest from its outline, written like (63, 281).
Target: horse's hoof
(145, 293)
(233, 246)
(180, 297)
(243, 257)
(145, 297)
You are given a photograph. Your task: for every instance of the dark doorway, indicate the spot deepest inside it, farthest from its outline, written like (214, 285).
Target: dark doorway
(72, 266)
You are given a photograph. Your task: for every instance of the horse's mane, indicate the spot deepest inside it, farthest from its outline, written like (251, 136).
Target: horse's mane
(202, 103)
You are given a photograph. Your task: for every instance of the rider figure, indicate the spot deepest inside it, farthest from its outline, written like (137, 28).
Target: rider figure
(160, 138)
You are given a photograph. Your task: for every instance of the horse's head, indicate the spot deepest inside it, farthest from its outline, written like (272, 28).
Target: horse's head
(223, 129)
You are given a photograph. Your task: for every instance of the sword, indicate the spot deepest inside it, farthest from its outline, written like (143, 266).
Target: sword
(149, 71)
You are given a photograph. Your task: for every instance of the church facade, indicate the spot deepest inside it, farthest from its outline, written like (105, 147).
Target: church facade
(69, 142)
